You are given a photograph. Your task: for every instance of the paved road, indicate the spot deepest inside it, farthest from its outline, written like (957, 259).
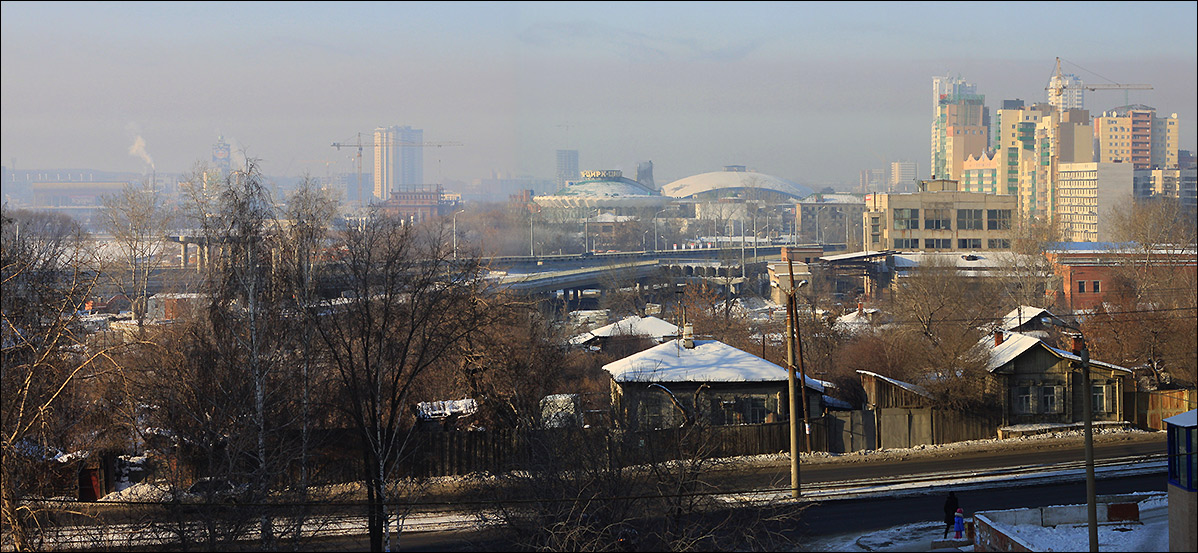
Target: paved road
(822, 482)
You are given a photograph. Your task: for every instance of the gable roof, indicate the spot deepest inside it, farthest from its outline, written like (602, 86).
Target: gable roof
(1022, 315)
(708, 361)
(1015, 344)
(652, 327)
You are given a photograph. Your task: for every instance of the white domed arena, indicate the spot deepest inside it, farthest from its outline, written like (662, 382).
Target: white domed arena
(608, 190)
(735, 182)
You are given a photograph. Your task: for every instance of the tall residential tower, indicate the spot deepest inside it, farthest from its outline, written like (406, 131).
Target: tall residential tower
(398, 159)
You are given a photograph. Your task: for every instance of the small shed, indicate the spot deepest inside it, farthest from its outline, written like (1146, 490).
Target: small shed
(883, 392)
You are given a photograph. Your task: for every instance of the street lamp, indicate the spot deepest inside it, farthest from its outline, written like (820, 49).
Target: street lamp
(455, 232)
(655, 231)
(1088, 407)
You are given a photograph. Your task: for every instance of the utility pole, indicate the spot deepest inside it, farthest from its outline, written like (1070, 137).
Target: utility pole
(1079, 347)
(791, 327)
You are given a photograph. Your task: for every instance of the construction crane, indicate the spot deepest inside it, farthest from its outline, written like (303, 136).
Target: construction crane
(1056, 85)
(359, 145)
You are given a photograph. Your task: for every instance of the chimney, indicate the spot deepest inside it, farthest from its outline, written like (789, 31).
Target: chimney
(998, 336)
(860, 308)
(688, 336)
(1077, 345)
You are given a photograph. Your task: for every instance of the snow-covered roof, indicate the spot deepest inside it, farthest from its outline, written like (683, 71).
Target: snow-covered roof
(857, 317)
(652, 327)
(853, 255)
(1014, 344)
(836, 403)
(904, 385)
(1189, 419)
(1022, 314)
(708, 361)
(834, 199)
(719, 180)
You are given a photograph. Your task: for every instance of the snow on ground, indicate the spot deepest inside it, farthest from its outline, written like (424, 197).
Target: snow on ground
(142, 491)
(917, 536)
(1151, 533)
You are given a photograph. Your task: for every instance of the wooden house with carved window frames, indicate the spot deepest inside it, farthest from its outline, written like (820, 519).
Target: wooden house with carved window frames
(1040, 384)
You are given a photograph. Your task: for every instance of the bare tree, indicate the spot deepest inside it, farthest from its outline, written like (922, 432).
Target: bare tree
(408, 305)
(47, 271)
(138, 221)
(943, 316)
(246, 310)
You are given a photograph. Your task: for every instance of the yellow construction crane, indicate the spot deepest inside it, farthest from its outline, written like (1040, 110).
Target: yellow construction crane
(1056, 85)
(359, 145)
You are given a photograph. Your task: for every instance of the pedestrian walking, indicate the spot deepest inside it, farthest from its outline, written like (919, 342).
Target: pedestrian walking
(959, 522)
(950, 511)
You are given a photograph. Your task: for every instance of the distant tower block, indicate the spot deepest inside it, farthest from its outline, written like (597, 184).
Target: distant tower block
(220, 155)
(644, 174)
(398, 159)
(567, 167)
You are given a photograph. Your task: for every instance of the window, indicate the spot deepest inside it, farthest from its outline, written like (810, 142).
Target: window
(1081, 287)
(906, 243)
(1023, 399)
(937, 243)
(969, 244)
(1098, 403)
(754, 410)
(998, 219)
(969, 219)
(1094, 288)
(999, 244)
(937, 219)
(906, 219)
(1050, 399)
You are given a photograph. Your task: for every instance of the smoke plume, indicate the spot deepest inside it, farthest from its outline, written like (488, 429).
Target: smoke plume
(139, 149)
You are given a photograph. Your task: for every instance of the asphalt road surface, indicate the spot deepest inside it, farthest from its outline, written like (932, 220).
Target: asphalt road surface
(873, 513)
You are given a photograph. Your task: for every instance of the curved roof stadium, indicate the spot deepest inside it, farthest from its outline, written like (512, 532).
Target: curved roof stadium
(731, 180)
(603, 189)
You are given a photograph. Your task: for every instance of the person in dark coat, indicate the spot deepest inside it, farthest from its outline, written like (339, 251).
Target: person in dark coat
(950, 512)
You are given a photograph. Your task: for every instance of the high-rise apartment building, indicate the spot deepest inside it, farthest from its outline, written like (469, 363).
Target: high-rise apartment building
(872, 180)
(1072, 96)
(902, 176)
(1134, 134)
(1085, 195)
(960, 128)
(220, 155)
(984, 173)
(567, 167)
(1179, 184)
(398, 159)
(1030, 142)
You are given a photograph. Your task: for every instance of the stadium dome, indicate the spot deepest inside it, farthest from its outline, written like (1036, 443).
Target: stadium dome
(731, 180)
(603, 189)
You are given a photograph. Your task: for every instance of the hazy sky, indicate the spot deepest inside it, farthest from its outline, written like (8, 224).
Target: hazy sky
(812, 92)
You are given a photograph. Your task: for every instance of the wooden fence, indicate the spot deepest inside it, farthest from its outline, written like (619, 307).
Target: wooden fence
(1155, 406)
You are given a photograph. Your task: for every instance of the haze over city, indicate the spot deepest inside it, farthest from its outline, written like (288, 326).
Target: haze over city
(812, 92)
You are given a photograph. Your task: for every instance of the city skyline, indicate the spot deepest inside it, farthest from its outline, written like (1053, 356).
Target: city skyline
(811, 93)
